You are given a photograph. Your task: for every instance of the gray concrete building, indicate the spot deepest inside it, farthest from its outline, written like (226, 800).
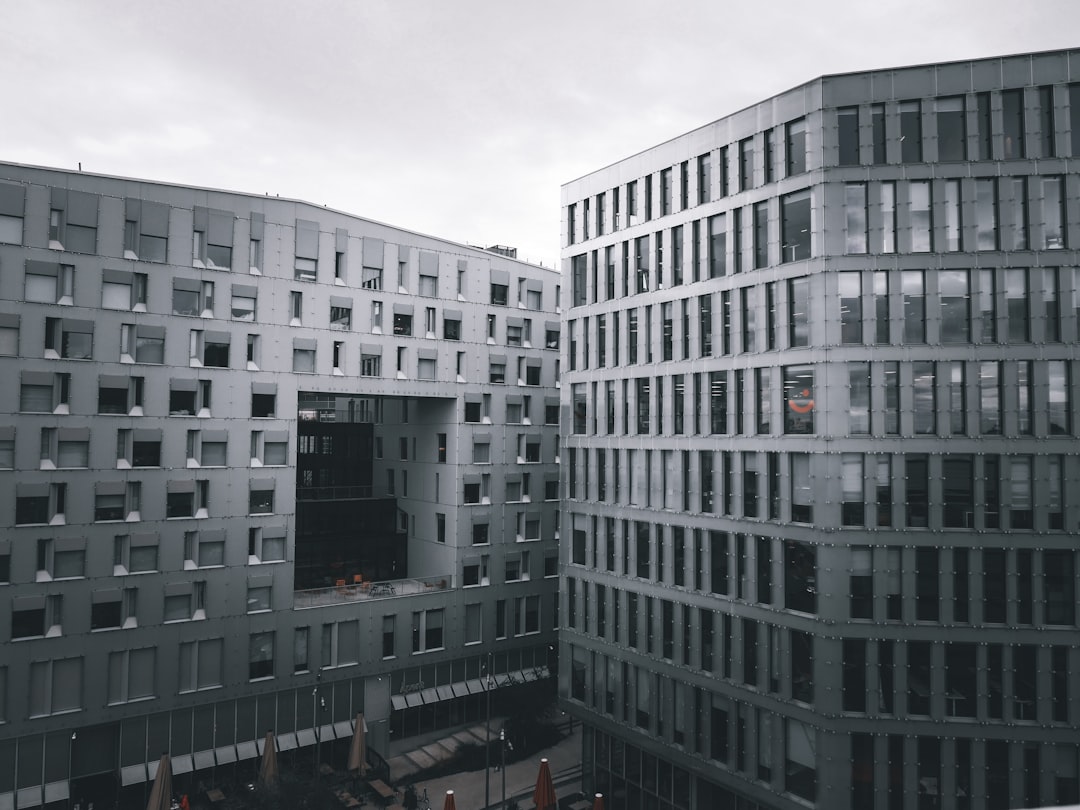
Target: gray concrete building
(263, 465)
(821, 470)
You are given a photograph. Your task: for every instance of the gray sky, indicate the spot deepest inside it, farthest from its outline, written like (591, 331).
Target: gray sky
(458, 118)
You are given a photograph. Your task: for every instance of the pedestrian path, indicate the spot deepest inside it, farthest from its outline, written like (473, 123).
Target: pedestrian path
(564, 759)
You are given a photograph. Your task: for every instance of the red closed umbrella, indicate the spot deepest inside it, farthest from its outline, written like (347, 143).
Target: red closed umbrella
(544, 795)
(598, 802)
(449, 803)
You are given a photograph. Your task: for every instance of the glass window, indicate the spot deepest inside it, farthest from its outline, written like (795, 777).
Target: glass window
(1053, 214)
(951, 128)
(1013, 212)
(1020, 504)
(918, 493)
(955, 379)
(858, 398)
(881, 307)
(985, 127)
(877, 124)
(892, 398)
(746, 164)
(953, 219)
(955, 314)
(986, 214)
(911, 282)
(1012, 113)
(761, 235)
(887, 200)
(919, 216)
(795, 226)
(798, 312)
(717, 246)
(910, 132)
(850, 289)
(799, 399)
(924, 399)
(802, 510)
(704, 172)
(855, 240)
(990, 397)
(847, 119)
(987, 306)
(852, 511)
(1023, 397)
(1016, 305)
(796, 147)
(1051, 310)
(1058, 398)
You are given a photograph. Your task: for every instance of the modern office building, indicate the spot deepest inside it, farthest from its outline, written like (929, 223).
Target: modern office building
(822, 467)
(263, 465)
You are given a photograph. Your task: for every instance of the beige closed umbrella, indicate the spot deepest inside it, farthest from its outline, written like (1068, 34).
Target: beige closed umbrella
(161, 793)
(358, 747)
(268, 770)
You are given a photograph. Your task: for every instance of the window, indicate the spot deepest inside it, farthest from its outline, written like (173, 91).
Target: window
(1053, 213)
(403, 323)
(887, 203)
(986, 214)
(910, 132)
(451, 327)
(56, 687)
(951, 128)
(48, 283)
(919, 216)
(243, 302)
(36, 616)
(131, 675)
(500, 294)
(955, 315)
(260, 656)
(261, 498)
(258, 598)
(69, 339)
(796, 147)
(1012, 117)
(73, 221)
(850, 289)
(146, 230)
(497, 373)
(1020, 493)
(296, 308)
(427, 630)
(924, 399)
(201, 664)
(847, 119)
(263, 404)
(306, 265)
(40, 504)
(1016, 305)
(9, 334)
(193, 297)
(255, 244)
(41, 392)
(802, 510)
(370, 365)
(60, 559)
(303, 356)
(795, 226)
(798, 312)
(914, 306)
(186, 498)
(189, 397)
(266, 545)
(798, 399)
(142, 344)
(11, 214)
(341, 317)
(746, 164)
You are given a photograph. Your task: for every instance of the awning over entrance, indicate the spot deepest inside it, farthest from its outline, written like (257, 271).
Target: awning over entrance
(474, 686)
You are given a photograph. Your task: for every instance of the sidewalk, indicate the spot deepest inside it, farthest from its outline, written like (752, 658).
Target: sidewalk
(564, 759)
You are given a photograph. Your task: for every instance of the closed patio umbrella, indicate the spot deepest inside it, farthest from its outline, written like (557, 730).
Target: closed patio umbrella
(544, 795)
(358, 747)
(598, 802)
(449, 803)
(161, 793)
(268, 771)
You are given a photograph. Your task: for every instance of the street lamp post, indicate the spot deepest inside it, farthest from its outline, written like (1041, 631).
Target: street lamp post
(315, 723)
(487, 738)
(502, 753)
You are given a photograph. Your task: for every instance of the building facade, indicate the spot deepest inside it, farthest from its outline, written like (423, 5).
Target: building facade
(263, 465)
(821, 468)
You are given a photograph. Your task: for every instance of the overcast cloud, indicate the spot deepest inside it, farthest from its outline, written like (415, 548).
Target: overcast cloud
(458, 118)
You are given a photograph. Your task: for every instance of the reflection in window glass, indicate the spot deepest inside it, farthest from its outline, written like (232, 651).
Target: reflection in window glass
(892, 398)
(910, 132)
(990, 397)
(924, 401)
(1023, 397)
(959, 491)
(1020, 511)
(1012, 114)
(1053, 214)
(761, 235)
(852, 510)
(1013, 209)
(847, 120)
(717, 246)
(916, 468)
(919, 216)
(799, 399)
(952, 215)
(877, 124)
(748, 296)
(955, 318)
(1058, 397)
(796, 147)
(795, 226)
(888, 218)
(957, 398)
(911, 283)
(881, 307)
(798, 312)
(763, 385)
(987, 306)
(855, 218)
(858, 398)
(850, 288)
(802, 510)
(1016, 305)
(986, 214)
(1051, 310)
(883, 490)
(1054, 504)
(951, 131)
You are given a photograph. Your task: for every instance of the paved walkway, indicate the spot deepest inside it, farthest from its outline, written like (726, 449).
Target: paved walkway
(564, 759)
